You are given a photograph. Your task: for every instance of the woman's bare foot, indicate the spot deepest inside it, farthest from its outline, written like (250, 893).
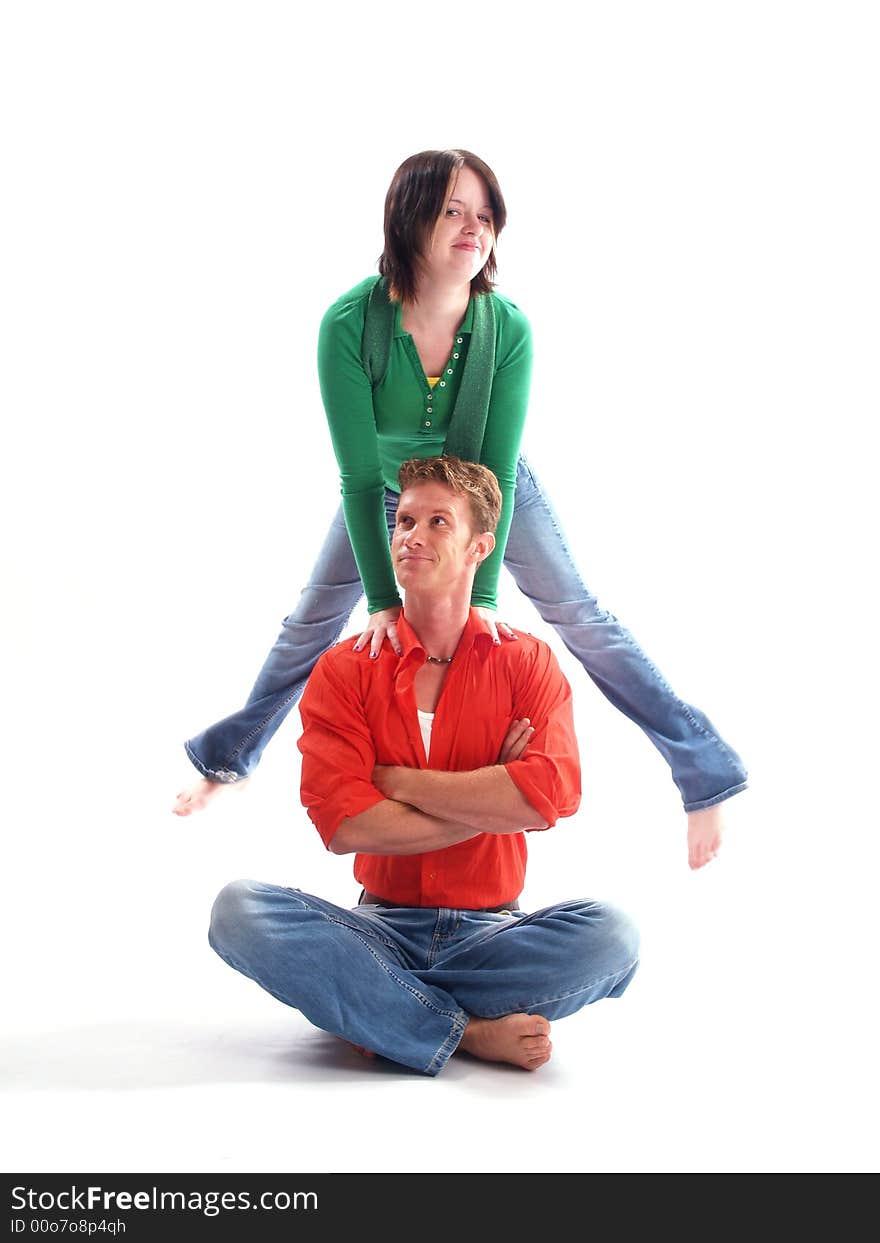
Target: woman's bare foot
(198, 796)
(705, 831)
(523, 1039)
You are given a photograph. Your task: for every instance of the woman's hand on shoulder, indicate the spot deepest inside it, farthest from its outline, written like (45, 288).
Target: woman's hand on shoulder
(492, 624)
(381, 625)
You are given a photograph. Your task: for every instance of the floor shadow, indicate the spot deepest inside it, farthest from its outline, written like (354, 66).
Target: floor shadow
(136, 1056)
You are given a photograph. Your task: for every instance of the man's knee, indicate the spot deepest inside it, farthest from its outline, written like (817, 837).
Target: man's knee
(623, 937)
(232, 913)
(608, 934)
(620, 931)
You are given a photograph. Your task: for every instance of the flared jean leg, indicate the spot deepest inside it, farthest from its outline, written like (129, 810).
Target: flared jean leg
(229, 750)
(705, 769)
(348, 972)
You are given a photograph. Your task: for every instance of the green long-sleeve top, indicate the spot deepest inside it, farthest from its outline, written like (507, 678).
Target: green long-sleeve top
(374, 431)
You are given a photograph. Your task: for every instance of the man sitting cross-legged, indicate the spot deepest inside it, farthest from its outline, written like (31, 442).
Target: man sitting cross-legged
(430, 767)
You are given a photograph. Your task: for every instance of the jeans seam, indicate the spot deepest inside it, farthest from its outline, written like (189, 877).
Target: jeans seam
(280, 706)
(256, 729)
(706, 734)
(449, 1045)
(649, 664)
(363, 936)
(458, 1017)
(333, 919)
(414, 992)
(260, 725)
(438, 936)
(701, 804)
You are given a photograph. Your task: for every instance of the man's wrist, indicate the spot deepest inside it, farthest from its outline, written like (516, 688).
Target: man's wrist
(391, 780)
(399, 785)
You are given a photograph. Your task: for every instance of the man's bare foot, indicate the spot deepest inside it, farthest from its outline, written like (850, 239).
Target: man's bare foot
(198, 796)
(523, 1039)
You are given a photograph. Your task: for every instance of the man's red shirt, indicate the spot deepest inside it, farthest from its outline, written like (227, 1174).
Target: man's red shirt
(359, 712)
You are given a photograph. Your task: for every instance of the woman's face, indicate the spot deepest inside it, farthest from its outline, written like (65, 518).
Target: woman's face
(464, 234)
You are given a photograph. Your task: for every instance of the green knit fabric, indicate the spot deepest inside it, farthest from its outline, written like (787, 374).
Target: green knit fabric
(374, 429)
(467, 423)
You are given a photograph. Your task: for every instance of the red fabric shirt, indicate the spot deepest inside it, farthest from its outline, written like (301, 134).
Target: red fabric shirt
(359, 712)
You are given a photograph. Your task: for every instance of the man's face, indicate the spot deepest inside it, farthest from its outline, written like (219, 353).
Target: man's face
(433, 547)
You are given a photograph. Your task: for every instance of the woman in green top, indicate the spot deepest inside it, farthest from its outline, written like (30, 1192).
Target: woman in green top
(427, 359)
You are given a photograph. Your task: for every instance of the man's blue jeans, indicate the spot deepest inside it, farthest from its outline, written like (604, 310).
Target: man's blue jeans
(403, 981)
(705, 769)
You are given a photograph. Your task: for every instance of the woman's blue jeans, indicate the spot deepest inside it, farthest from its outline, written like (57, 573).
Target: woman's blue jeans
(705, 769)
(404, 981)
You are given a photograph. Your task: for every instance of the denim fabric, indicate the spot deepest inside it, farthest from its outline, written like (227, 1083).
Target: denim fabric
(403, 981)
(538, 556)
(704, 768)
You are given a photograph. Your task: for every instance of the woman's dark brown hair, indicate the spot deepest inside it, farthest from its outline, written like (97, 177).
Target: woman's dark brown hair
(415, 201)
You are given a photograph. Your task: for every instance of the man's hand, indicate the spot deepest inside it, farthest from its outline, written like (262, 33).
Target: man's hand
(705, 831)
(486, 799)
(383, 779)
(386, 777)
(518, 738)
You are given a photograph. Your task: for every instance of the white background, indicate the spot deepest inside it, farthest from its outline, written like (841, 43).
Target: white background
(693, 199)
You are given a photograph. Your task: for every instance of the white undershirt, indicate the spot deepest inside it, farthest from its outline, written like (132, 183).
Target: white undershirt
(426, 721)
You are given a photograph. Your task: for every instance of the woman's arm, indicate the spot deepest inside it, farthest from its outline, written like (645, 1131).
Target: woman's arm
(504, 428)
(348, 403)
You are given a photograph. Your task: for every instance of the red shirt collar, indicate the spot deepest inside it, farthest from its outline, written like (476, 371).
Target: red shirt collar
(475, 635)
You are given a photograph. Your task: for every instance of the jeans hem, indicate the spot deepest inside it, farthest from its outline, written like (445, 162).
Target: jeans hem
(701, 804)
(222, 776)
(449, 1045)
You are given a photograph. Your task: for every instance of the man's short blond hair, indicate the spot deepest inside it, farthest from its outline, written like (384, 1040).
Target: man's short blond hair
(468, 479)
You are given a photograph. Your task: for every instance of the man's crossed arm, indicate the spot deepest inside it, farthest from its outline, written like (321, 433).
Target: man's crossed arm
(426, 810)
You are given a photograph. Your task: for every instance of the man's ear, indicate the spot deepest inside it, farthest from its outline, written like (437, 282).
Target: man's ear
(482, 546)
